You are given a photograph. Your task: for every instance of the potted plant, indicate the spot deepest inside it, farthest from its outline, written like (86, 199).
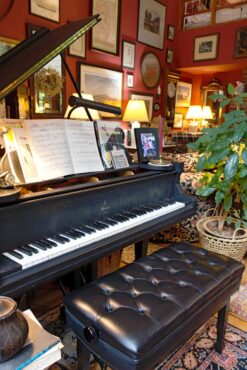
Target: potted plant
(223, 163)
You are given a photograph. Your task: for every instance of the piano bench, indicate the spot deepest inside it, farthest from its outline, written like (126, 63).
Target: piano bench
(136, 316)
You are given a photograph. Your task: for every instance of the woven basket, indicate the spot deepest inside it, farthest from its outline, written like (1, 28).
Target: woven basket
(108, 264)
(235, 248)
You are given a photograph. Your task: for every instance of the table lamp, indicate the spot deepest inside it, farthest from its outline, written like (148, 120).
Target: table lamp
(135, 113)
(206, 114)
(80, 112)
(195, 115)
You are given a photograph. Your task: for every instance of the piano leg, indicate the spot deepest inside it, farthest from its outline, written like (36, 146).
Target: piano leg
(141, 248)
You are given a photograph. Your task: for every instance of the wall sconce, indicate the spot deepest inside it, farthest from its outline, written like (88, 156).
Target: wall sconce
(195, 115)
(135, 113)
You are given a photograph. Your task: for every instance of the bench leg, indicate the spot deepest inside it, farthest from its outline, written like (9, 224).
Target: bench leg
(221, 327)
(83, 357)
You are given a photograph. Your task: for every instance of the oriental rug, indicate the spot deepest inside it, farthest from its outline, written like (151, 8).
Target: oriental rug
(197, 354)
(238, 306)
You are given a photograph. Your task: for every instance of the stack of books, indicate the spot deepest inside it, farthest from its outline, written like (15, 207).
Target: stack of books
(41, 349)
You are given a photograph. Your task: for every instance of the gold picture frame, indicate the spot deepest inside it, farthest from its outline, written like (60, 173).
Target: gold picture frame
(150, 70)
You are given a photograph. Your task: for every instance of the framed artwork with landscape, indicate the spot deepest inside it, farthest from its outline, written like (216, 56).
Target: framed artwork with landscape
(183, 94)
(105, 35)
(104, 84)
(206, 47)
(241, 43)
(151, 23)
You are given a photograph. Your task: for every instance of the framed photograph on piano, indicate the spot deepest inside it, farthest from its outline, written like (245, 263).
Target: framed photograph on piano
(147, 144)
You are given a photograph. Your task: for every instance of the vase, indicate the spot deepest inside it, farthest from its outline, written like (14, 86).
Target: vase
(13, 329)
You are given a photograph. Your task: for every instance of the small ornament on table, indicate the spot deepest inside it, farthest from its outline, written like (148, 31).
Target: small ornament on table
(160, 161)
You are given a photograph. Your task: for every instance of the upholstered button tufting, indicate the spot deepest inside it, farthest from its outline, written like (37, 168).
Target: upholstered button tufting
(91, 334)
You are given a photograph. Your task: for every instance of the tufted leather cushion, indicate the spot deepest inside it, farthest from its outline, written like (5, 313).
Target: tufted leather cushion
(134, 308)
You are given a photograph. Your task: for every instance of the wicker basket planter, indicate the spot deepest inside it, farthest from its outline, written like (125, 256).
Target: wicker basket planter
(234, 247)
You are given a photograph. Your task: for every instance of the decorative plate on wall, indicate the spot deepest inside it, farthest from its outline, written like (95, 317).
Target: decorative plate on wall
(150, 70)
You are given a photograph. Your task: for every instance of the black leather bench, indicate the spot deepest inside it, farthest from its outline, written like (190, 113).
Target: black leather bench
(136, 316)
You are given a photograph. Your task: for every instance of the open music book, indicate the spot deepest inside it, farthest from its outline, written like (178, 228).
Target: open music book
(47, 149)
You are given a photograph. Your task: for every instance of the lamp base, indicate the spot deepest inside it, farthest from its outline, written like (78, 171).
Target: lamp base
(159, 162)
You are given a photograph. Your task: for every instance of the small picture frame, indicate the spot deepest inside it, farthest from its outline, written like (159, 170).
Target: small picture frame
(119, 158)
(130, 80)
(206, 47)
(241, 43)
(170, 32)
(128, 54)
(178, 121)
(183, 95)
(78, 47)
(147, 144)
(46, 9)
(169, 56)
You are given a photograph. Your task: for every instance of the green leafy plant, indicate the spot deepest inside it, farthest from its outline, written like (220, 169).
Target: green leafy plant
(223, 161)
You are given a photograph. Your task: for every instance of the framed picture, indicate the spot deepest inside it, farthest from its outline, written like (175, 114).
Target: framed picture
(183, 94)
(171, 32)
(105, 35)
(206, 47)
(130, 80)
(46, 9)
(128, 54)
(169, 56)
(148, 100)
(151, 23)
(241, 43)
(178, 121)
(78, 48)
(104, 84)
(147, 144)
(6, 44)
(150, 70)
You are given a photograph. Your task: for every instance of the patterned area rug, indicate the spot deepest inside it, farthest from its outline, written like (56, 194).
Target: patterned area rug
(238, 305)
(197, 354)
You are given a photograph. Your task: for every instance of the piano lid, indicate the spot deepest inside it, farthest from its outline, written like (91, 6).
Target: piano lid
(26, 58)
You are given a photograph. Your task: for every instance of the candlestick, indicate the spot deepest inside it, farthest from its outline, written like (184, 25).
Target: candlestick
(160, 135)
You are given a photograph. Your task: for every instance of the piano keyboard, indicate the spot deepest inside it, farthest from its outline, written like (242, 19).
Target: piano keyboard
(83, 235)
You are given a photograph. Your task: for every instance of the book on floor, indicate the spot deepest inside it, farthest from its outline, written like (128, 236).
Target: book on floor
(40, 350)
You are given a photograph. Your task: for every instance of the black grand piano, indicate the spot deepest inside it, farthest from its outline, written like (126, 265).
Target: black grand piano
(55, 227)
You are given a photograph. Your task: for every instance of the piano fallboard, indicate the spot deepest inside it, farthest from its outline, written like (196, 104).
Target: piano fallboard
(37, 217)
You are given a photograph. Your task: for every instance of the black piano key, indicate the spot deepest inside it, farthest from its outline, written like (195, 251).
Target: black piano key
(128, 214)
(25, 251)
(39, 246)
(98, 226)
(16, 254)
(79, 233)
(32, 249)
(109, 221)
(86, 229)
(58, 238)
(45, 243)
(7, 266)
(69, 234)
(105, 225)
(51, 242)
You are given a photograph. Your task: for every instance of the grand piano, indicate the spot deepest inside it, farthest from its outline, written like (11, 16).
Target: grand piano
(57, 226)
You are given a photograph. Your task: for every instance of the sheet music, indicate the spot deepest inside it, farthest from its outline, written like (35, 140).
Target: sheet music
(48, 142)
(83, 146)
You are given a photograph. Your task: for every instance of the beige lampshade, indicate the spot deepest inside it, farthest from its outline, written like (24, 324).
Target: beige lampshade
(207, 112)
(136, 111)
(194, 112)
(80, 113)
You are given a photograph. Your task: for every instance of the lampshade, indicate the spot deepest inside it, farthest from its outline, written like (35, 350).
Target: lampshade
(194, 112)
(80, 113)
(207, 112)
(136, 111)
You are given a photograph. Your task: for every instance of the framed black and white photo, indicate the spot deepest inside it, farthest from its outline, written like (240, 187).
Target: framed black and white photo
(130, 80)
(78, 48)
(105, 34)
(206, 47)
(49, 9)
(170, 32)
(147, 144)
(169, 56)
(151, 23)
(104, 84)
(128, 54)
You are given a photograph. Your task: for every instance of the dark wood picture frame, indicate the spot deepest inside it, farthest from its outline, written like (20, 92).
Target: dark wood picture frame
(105, 35)
(170, 32)
(147, 144)
(60, 100)
(150, 77)
(169, 56)
(241, 43)
(53, 14)
(206, 47)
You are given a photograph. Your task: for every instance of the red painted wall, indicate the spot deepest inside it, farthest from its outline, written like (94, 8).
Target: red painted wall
(14, 25)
